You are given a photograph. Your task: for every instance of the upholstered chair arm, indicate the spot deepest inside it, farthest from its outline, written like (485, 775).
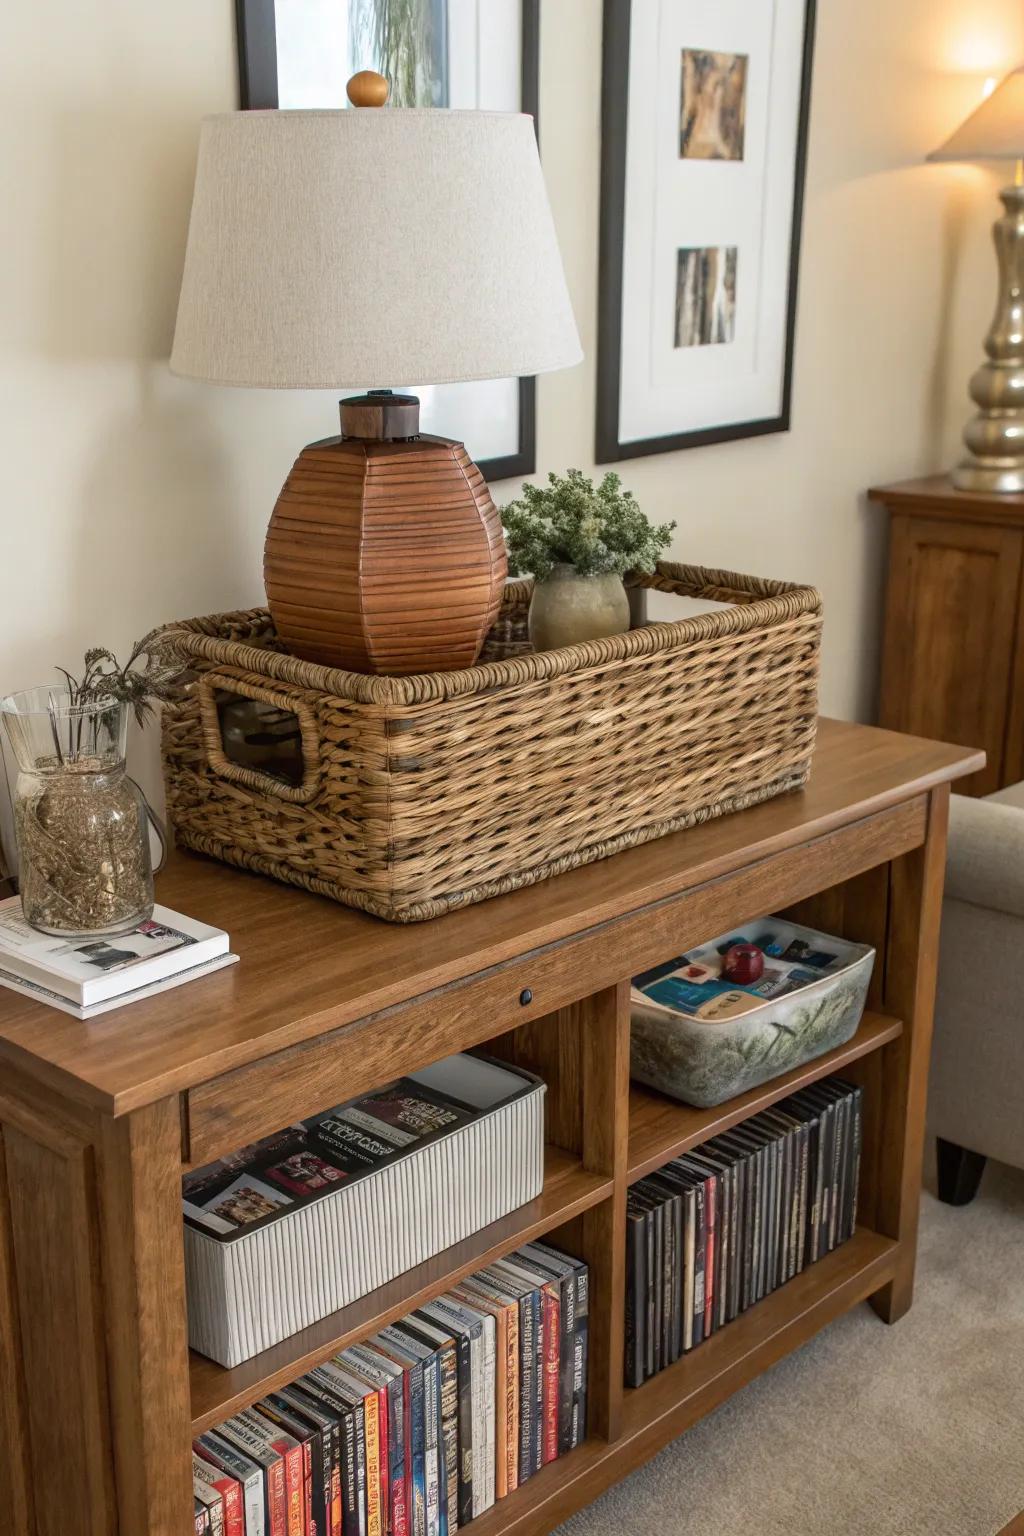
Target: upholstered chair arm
(986, 855)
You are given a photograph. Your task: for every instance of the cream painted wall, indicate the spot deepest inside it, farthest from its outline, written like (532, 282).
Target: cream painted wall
(130, 497)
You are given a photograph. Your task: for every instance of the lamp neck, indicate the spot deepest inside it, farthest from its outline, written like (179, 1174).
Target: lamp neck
(380, 416)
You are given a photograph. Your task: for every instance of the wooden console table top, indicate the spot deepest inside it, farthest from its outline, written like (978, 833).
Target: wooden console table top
(309, 965)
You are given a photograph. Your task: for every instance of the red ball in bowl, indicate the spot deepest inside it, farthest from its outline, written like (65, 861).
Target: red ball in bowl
(743, 964)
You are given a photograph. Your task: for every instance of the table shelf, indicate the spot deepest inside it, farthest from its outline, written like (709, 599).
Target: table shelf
(217, 1391)
(661, 1128)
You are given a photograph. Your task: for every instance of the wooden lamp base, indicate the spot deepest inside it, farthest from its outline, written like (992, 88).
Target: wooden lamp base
(385, 552)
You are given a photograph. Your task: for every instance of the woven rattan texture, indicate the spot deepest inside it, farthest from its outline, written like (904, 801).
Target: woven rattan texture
(442, 789)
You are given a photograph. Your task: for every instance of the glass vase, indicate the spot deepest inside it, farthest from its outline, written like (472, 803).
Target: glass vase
(80, 821)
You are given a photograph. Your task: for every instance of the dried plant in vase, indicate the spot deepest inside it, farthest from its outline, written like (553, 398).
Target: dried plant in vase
(80, 821)
(578, 540)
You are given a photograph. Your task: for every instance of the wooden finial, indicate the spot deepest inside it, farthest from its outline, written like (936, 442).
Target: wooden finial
(367, 89)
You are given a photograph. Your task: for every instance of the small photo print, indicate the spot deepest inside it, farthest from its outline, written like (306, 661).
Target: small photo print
(105, 957)
(304, 1172)
(245, 1201)
(712, 105)
(705, 295)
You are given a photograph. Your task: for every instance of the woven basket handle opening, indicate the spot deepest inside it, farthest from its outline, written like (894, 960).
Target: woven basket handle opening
(258, 737)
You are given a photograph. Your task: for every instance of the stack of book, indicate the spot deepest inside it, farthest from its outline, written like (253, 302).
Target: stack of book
(87, 976)
(420, 1428)
(718, 1229)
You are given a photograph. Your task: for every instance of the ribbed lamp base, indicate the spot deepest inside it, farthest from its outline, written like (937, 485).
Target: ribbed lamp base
(383, 555)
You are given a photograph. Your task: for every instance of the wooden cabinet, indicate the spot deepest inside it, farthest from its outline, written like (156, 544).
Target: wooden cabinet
(953, 652)
(99, 1395)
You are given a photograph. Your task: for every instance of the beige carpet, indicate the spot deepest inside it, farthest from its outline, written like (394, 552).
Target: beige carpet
(914, 1430)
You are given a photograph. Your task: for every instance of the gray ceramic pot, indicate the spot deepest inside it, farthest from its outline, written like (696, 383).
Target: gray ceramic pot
(567, 608)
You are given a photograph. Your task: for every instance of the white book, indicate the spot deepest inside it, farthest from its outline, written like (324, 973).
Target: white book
(88, 971)
(54, 1000)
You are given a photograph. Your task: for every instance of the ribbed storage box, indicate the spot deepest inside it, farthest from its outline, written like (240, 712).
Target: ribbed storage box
(409, 796)
(260, 1287)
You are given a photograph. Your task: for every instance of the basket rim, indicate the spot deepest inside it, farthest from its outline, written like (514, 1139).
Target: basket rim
(757, 602)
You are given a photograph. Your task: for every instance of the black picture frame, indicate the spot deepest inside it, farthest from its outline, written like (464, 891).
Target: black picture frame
(257, 81)
(614, 104)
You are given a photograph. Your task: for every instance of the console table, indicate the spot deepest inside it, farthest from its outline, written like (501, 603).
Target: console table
(99, 1396)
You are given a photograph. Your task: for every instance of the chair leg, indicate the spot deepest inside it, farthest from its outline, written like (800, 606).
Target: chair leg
(960, 1172)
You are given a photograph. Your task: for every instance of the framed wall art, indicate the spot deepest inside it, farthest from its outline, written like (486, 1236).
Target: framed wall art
(704, 134)
(437, 53)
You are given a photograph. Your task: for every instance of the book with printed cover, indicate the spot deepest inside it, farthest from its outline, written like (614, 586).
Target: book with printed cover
(441, 1423)
(353, 1448)
(254, 1444)
(362, 1399)
(378, 1424)
(572, 1277)
(233, 1462)
(412, 1353)
(208, 1501)
(504, 1307)
(389, 1378)
(89, 971)
(310, 1444)
(325, 1502)
(227, 1490)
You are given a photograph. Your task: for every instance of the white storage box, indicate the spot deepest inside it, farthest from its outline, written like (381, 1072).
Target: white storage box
(256, 1275)
(702, 1038)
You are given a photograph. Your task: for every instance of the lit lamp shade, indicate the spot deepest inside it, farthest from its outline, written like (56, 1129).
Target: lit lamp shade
(995, 130)
(994, 436)
(374, 248)
(371, 247)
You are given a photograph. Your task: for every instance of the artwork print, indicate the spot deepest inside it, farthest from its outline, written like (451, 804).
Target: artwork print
(705, 110)
(459, 54)
(705, 296)
(712, 105)
(406, 40)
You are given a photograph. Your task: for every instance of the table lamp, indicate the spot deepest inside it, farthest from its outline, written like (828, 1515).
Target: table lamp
(995, 436)
(373, 246)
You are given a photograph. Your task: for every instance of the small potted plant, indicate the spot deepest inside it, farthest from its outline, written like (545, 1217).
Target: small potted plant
(578, 540)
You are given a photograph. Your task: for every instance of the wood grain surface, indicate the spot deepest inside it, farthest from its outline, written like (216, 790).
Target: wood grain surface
(309, 966)
(255, 1100)
(569, 1190)
(96, 1119)
(936, 496)
(952, 620)
(660, 1128)
(146, 1327)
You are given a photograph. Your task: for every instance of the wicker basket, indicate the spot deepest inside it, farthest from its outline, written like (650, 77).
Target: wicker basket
(416, 795)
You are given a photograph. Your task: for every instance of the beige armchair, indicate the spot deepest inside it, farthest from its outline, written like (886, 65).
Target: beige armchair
(976, 1094)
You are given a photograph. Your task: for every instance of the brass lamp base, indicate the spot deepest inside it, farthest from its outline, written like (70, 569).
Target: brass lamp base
(995, 436)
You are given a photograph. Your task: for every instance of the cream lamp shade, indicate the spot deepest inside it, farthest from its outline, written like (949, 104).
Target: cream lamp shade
(995, 130)
(370, 247)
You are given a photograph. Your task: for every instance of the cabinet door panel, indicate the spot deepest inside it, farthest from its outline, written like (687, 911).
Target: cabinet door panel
(951, 619)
